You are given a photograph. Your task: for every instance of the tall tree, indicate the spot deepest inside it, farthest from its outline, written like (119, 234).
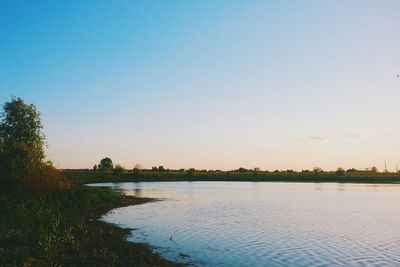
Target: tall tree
(22, 139)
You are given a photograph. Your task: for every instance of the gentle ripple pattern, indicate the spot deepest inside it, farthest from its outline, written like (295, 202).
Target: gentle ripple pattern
(266, 224)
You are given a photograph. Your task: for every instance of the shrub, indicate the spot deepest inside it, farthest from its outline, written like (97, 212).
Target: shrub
(119, 169)
(340, 171)
(44, 180)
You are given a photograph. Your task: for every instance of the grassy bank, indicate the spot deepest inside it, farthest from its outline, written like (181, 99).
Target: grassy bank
(82, 176)
(61, 229)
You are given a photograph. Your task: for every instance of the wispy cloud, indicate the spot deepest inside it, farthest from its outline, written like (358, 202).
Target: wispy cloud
(311, 138)
(316, 138)
(354, 135)
(321, 138)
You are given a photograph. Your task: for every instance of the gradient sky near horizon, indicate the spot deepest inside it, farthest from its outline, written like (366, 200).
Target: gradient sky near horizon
(208, 84)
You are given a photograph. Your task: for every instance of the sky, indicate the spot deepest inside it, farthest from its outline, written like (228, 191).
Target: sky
(208, 84)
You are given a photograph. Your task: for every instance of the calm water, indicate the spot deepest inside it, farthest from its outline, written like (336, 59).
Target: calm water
(266, 224)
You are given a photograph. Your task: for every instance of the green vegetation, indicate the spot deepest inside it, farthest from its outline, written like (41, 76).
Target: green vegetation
(105, 165)
(22, 159)
(48, 221)
(60, 229)
(317, 176)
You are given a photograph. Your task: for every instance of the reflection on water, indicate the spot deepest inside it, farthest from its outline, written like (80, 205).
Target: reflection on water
(274, 224)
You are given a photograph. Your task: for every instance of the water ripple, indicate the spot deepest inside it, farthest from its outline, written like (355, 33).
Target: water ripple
(271, 224)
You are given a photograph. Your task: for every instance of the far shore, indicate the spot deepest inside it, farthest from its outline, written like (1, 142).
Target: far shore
(89, 176)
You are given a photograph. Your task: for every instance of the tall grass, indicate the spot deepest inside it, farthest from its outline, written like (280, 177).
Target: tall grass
(61, 229)
(44, 229)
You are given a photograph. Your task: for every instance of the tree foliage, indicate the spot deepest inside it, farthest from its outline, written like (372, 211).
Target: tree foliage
(105, 164)
(340, 171)
(119, 169)
(22, 156)
(22, 138)
(137, 168)
(161, 169)
(317, 170)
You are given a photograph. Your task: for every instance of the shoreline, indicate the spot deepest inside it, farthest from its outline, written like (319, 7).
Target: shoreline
(88, 177)
(148, 257)
(63, 228)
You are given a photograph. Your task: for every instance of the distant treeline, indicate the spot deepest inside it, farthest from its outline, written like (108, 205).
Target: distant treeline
(150, 175)
(339, 171)
(106, 165)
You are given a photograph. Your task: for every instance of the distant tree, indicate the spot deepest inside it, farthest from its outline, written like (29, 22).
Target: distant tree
(256, 171)
(191, 171)
(340, 171)
(137, 168)
(119, 169)
(161, 169)
(154, 169)
(241, 169)
(106, 164)
(95, 167)
(317, 170)
(374, 169)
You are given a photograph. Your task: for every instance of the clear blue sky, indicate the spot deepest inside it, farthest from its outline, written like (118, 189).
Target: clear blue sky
(208, 84)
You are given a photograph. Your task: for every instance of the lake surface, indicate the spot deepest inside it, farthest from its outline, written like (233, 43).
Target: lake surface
(266, 224)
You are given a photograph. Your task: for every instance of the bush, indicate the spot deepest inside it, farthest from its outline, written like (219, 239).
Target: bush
(44, 180)
(119, 169)
(340, 172)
